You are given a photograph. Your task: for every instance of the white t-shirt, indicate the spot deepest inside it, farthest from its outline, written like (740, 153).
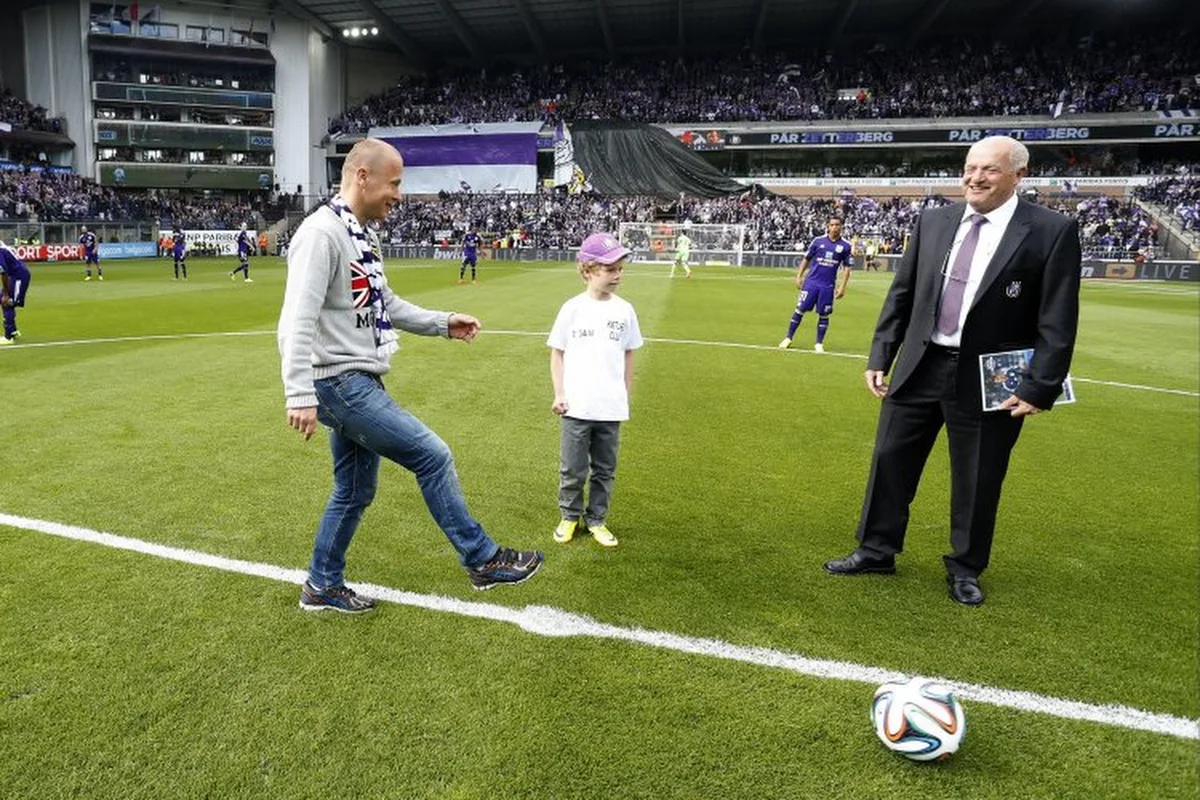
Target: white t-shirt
(594, 335)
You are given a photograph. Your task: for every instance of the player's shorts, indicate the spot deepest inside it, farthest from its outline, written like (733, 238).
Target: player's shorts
(180, 255)
(93, 257)
(818, 297)
(469, 258)
(20, 284)
(244, 257)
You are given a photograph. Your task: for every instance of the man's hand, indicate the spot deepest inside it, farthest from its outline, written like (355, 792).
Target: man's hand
(560, 405)
(1018, 407)
(463, 326)
(303, 420)
(876, 382)
(840, 293)
(5, 300)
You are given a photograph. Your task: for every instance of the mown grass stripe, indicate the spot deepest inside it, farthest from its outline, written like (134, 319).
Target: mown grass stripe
(548, 621)
(700, 342)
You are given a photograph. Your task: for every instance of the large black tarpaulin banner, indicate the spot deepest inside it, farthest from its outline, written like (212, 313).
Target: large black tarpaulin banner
(634, 158)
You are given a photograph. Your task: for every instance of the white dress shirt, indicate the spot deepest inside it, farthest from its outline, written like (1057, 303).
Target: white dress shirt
(990, 234)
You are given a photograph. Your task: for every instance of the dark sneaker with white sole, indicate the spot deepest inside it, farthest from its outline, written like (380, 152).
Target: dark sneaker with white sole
(507, 566)
(335, 598)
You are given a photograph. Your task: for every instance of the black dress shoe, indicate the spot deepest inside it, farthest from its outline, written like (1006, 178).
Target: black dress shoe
(965, 590)
(859, 563)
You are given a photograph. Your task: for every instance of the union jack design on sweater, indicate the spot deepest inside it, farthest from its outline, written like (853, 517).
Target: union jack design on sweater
(360, 285)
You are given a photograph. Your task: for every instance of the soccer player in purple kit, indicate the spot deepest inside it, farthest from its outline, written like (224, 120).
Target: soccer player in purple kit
(91, 254)
(14, 283)
(179, 250)
(243, 246)
(470, 255)
(827, 262)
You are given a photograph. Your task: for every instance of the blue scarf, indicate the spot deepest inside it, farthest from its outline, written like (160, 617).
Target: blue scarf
(371, 266)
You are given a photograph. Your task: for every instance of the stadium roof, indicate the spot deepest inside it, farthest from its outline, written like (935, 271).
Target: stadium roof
(435, 32)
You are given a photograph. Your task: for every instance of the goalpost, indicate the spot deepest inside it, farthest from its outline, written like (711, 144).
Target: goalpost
(712, 243)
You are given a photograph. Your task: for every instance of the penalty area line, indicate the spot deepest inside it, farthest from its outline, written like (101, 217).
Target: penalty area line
(555, 622)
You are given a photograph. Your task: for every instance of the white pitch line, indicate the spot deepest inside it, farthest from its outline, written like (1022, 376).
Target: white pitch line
(163, 337)
(1137, 386)
(699, 342)
(548, 621)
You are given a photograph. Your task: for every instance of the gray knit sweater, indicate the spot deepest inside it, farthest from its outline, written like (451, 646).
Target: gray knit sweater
(320, 332)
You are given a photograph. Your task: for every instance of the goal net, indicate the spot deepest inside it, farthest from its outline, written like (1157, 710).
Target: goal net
(656, 242)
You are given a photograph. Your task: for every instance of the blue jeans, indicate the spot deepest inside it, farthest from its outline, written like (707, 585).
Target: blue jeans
(366, 423)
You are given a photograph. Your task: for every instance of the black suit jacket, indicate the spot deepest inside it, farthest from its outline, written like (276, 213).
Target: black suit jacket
(1029, 297)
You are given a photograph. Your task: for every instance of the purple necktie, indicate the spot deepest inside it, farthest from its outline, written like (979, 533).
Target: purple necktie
(952, 295)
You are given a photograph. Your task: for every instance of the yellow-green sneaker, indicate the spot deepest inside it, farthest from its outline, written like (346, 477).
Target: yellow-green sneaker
(603, 535)
(565, 531)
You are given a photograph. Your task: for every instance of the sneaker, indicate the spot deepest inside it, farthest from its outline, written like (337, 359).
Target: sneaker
(602, 535)
(785, 344)
(337, 598)
(248, 280)
(461, 281)
(99, 277)
(565, 531)
(818, 348)
(16, 335)
(233, 276)
(5, 340)
(87, 277)
(507, 566)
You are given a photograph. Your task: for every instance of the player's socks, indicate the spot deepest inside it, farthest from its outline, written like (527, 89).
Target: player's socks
(797, 318)
(822, 327)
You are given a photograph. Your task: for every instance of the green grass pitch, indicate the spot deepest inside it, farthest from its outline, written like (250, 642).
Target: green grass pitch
(742, 469)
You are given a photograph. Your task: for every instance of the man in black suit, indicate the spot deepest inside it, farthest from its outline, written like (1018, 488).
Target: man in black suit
(993, 274)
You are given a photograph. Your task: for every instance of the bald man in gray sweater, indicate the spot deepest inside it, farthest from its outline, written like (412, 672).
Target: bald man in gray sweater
(337, 333)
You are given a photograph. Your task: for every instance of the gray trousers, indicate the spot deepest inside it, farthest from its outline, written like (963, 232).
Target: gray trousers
(586, 443)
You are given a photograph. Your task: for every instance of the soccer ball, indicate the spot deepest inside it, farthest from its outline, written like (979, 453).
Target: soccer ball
(921, 720)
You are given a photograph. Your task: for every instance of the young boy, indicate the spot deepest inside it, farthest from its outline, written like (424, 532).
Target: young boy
(591, 366)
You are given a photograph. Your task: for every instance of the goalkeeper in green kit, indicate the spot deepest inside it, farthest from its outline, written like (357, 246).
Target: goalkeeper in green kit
(683, 252)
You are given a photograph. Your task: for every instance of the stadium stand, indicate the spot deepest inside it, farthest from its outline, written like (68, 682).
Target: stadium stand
(22, 115)
(1109, 228)
(1132, 73)
(64, 197)
(1181, 195)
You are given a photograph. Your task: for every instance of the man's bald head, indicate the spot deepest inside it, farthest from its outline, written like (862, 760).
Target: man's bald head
(369, 154)
(371, 179)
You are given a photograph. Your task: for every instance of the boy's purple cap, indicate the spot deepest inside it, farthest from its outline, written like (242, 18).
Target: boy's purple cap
(603, 248)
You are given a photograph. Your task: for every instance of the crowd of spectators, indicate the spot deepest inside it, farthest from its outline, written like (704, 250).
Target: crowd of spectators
(43, 196)
(1113, 228)
(20, 114)
(774, 222)
(1109, 228)
(1099, 164)
(1180, 194)
(1158, 72)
